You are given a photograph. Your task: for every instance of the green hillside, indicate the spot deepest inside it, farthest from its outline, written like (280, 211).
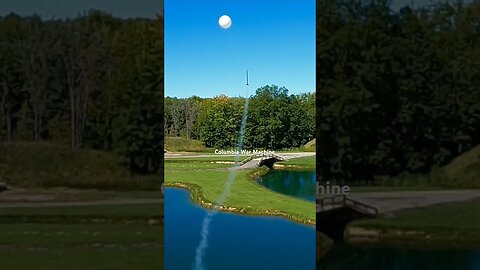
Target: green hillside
(180, 144)
(40, 164)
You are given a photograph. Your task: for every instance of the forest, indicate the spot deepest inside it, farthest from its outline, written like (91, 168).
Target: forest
(276, 119)
(91, 82)
(397, 91)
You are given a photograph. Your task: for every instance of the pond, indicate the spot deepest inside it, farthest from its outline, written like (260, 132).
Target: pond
(300, 184)
(235, 241)
(388, 258)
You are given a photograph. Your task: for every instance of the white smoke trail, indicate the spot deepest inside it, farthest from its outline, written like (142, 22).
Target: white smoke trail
(200, 251)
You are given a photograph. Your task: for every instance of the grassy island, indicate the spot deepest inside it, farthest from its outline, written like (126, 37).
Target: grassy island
(206, 181)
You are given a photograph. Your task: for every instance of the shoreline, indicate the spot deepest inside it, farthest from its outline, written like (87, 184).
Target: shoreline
(323, 245)
(392, 237)
(452, 225)
(197, 196)
(446, 224)
(293, 167)
(261, 171)
(397, 236)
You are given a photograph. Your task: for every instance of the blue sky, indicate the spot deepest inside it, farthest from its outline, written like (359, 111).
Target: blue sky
(71, 8)
(273, 39)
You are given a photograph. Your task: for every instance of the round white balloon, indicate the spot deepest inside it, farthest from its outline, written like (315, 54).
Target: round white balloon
(225, 22)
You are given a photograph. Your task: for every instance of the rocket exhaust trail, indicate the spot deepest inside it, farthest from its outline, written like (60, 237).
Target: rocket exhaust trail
(201, 248)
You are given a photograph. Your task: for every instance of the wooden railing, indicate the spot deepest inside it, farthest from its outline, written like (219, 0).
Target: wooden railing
(279, 158)
(336, 201)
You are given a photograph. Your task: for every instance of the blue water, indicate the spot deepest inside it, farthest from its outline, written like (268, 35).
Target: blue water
(390, 258)
(235, 241)
(300, 184)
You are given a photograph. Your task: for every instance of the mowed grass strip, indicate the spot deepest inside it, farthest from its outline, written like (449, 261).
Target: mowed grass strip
(76, 195)
(195, 166)
(118, 214)
(97, 245)
(302, 162)
(245, 193)
(20, 230)
(41, 236)
(180, 144)
(82, 258)
(208, 159)
(461, 219)
(355, 189)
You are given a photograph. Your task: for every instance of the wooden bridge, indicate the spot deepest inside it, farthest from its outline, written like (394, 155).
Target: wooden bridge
(335, 212)
(269, 160)
(257, 160)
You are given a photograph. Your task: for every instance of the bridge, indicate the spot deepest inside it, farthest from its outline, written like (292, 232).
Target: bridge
(250, 161)
(258, 161)
(268, 160)
(335, 212)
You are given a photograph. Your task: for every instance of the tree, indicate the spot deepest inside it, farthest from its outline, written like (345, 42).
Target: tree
(143, 115)
(396, 91)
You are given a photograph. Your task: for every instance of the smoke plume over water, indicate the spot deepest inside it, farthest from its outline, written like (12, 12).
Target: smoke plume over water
(201, 248)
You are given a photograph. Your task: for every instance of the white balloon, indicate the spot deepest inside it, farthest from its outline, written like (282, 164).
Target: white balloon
(225, 22)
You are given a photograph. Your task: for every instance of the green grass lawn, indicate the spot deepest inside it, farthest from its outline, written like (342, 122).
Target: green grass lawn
(180, 144)
(464, 170)
(454, 221)
(195, 166)
(310, 146)
(245, 193)
(300, 163)
(116, 237)
(77, 195)
(392, 189)
(82, 258)
(108, 211)
(95, 237)
(212, 158)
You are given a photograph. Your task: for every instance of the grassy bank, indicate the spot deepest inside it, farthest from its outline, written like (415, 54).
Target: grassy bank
(323, 244)
(246, 196)
(95, 237)
(303, 163)
(38, 164)
(462, 172)
(180, 144)
(310, 146)
(453, 223)
(204, 159)
(196, 166)
(359, 189)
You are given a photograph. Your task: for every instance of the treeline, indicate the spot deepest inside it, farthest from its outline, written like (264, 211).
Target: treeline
(397, 91)
(95, 81)
(276, 119)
